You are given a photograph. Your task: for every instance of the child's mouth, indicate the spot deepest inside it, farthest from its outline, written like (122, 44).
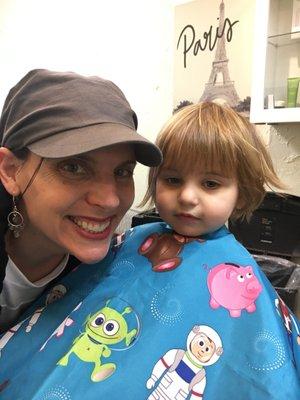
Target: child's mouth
(187, 216)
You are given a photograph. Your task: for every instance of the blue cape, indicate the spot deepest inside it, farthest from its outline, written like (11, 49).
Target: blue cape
(161, 317)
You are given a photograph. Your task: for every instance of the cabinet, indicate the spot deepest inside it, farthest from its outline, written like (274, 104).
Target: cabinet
(276, 58)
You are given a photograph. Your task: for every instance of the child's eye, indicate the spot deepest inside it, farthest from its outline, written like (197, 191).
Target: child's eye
(211, 184)
(124, 173)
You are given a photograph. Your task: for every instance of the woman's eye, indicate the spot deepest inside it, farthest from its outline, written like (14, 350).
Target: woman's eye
(73, 168)
(211, 184)
(172, 180)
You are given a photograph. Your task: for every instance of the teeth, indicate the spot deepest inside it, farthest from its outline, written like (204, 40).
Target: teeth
(91, 226)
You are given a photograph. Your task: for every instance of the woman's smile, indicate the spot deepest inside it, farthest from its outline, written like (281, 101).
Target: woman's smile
(91, 193)
(91, 227)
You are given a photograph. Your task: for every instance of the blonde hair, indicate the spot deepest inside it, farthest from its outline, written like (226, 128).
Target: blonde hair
(211, 135)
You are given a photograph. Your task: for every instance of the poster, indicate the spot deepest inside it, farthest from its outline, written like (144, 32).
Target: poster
(213, 53)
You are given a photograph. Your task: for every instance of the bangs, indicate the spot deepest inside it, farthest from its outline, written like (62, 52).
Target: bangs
(189, 146)
(213, 138)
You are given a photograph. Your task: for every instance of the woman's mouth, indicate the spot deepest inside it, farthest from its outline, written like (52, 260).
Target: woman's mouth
(90, 225)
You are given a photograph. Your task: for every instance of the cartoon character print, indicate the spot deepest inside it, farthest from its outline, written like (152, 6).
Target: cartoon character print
(59, 331)
(233, 287)
(184, 370)
(54, 294)
(288, 320)
(162, 250)
(8, 335)
(119, 239)
(103, 329)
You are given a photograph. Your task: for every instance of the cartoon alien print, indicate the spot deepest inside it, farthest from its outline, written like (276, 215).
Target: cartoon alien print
(103, 329)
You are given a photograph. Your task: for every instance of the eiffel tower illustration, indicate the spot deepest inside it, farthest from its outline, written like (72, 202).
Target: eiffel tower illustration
(225, 89)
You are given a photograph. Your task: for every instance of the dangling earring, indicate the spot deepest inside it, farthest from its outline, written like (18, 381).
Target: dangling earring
(15, 220)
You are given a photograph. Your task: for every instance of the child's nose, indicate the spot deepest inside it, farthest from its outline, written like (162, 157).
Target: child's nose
(104, 194)
(189, 195)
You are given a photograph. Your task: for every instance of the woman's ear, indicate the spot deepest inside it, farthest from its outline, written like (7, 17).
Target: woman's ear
(9, 166)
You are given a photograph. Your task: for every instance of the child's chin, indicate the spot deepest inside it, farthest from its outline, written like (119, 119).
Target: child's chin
(189, 232)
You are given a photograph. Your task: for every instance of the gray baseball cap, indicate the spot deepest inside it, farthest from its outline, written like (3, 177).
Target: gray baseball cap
(60, 114)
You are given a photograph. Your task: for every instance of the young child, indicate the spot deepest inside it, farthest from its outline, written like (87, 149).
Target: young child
(178, 309)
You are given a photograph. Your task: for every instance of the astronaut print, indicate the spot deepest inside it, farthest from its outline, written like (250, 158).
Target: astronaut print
(182, 371)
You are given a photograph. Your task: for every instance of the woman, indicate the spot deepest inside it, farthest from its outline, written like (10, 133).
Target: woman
(69, 148)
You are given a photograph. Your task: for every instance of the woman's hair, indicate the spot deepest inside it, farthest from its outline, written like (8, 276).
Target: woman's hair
(212, 136)
(6, 205)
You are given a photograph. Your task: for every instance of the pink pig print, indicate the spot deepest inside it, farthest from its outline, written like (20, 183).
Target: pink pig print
(233, 287)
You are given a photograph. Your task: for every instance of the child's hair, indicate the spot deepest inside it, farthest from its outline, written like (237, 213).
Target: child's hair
(213, 136)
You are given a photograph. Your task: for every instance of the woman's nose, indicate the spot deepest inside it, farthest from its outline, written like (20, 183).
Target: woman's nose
(104, 194)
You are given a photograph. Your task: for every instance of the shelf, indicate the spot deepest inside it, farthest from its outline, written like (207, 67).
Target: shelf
(275, 115)
(276, 57)
(285, 39)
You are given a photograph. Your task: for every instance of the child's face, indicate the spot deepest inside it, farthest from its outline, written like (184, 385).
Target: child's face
(197, 202)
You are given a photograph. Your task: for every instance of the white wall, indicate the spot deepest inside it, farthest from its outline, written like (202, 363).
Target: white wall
(283, 141)
(129, 42)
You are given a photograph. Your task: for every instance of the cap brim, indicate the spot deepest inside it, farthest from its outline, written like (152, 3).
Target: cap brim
(92, 137)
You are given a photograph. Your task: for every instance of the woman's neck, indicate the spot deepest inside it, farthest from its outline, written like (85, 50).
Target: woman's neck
(30, 258)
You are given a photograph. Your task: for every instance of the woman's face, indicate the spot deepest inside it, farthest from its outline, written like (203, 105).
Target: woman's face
(74, 204)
